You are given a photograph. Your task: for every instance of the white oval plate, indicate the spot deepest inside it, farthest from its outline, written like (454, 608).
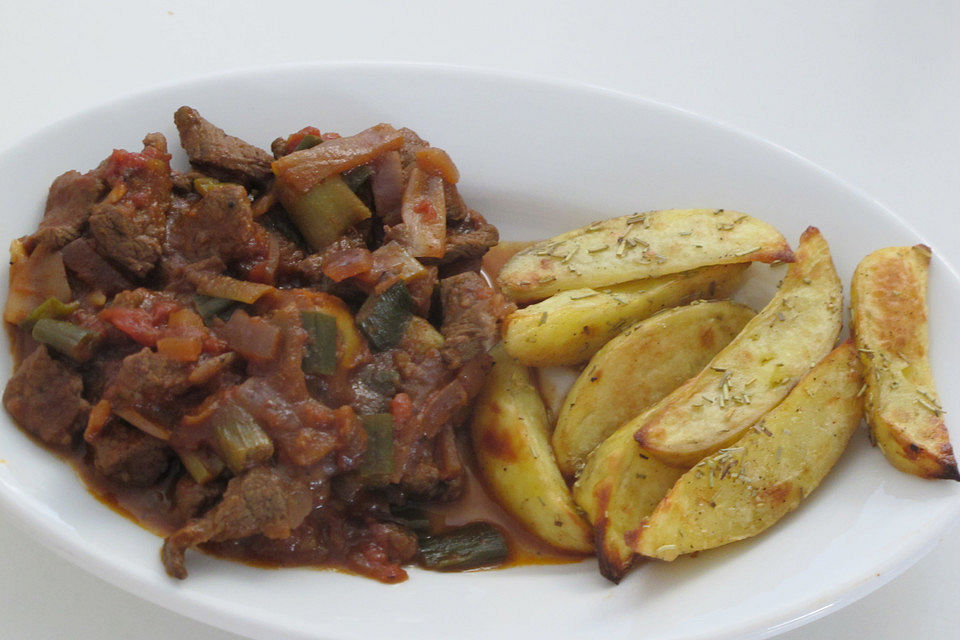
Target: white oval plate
(536, 158)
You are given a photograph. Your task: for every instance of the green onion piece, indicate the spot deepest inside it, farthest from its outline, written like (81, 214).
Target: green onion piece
(308, 141)
(320, 357)
(203, 186)
(411, 518)
(324, 212)
(377, 465)
(478, 544)
(49, 308)
(67, 338)
(383, 317)
(240, 438)
(209, 307)
(220, 286)
(357, 176)
(201, 468)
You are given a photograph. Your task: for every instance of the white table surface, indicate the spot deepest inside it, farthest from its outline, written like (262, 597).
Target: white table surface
(869, 90)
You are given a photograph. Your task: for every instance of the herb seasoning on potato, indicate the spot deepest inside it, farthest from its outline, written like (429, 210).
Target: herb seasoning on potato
(889, 310)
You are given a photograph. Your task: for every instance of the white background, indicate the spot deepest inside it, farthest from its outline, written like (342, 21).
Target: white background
(868, 90)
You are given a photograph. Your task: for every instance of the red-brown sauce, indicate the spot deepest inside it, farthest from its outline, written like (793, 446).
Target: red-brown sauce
(153, 507)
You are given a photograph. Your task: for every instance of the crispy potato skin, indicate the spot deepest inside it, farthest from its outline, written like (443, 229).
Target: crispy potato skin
(889, 311)
(569, 327)
(638, 368)
(511, 440)
(621, 485)
(742, 490)
(796, 329)
(647, 245)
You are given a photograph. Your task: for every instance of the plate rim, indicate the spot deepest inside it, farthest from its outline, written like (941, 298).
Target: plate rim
(55, 534)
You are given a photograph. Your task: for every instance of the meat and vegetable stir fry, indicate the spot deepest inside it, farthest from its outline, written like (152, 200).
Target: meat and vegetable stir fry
(277, 347)
(271, 357)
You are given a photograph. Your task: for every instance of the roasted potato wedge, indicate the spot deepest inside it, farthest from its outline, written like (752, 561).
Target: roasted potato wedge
(511, 438)
(642, 245)
(796, 329)
(889, 309)
(569, 327)
(742, 490)
(638, 368)
(621, 485)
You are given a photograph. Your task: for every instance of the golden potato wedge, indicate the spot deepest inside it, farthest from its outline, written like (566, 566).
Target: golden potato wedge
(642, 245)
(796, 329)
(742, 490)
(511, 439)
(620, 486)
(889, 310)
(638, 368)
(569, 327)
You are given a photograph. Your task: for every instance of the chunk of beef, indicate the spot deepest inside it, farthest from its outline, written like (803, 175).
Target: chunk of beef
(130, 456)
(472, 311)
(220, 225)
(192, 499)
(450, 404)
(44, 397)
(149, 382)
(262, 501)
(220, 155)
(469, 238)
(457, 209)
(129, 225)
(125, 238)
(426, 462)
(381, 551)
(69, 205)
(279, 147)
(373, 385)
(421, 368)
(86, 264)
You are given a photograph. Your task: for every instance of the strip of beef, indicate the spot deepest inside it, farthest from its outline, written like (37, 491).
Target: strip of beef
(219, 226)
(130, 456)
(469, 237)
(69, 205)
(450, 404)
(428, 458)
(150, 383)
(90, 267)
(222, 156)
(192, 499)
(44, 397)
(426, 463)
(129, 225)
(420, 367)
(262, 501)
(472, 311)
(126, 238)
